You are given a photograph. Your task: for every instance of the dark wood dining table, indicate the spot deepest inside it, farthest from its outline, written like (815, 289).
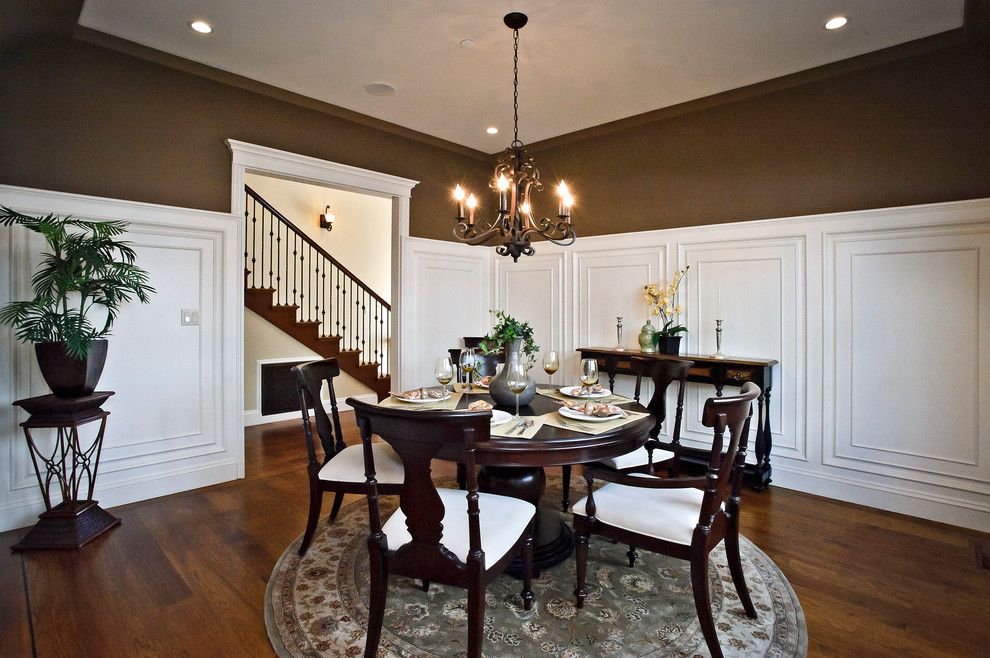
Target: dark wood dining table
(515, 467)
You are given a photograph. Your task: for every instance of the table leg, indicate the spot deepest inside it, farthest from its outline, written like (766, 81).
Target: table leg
(553, 541)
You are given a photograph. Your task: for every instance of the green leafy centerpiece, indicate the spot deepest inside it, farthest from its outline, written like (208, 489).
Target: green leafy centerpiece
(515, 339)
(84, 278)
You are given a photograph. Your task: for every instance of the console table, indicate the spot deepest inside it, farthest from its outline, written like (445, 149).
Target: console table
(74, 521)
(730, 371)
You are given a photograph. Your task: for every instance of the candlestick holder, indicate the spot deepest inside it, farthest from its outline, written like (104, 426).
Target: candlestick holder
(718, 341)
(618, 333)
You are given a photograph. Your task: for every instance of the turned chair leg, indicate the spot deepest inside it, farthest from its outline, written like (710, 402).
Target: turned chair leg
(581, 561)
(702, 602)
(315, 505)
(426, 586)
(476, 619)
(376, 606)
(527, 558)
(632, 555)
(338, 498)
(566, 472)
(736, 569)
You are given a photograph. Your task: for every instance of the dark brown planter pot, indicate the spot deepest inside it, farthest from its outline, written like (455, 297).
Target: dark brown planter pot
(668, 344)
(67, 376)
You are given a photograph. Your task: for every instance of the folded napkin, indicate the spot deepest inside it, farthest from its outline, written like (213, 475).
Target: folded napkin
(448, 404)
(557, 395)
(506, 428)
(590, 427)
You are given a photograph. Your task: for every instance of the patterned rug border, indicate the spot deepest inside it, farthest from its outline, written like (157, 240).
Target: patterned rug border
(289, 559)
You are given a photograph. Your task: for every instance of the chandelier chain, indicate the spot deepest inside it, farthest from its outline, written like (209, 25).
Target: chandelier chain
(515, 88)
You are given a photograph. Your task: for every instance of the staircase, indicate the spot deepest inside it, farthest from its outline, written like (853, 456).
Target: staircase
(292, 282)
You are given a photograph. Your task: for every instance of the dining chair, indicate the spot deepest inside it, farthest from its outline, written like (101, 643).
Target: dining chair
(654, 454)
(682, 517)
(342, 468)
(437, 534)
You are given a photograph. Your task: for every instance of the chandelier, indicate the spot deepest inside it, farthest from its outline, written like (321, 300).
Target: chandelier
(516, 177)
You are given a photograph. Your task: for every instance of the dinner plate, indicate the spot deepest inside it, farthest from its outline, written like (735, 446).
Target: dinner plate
(571, 392)
(499, 417)
(423, 401)
(577, 415)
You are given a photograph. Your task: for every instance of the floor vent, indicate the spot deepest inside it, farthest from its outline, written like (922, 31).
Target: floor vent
(278, 388)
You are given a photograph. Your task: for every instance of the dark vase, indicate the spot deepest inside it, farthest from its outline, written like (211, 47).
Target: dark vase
(498, 386)
(67, 376)
(668, 344)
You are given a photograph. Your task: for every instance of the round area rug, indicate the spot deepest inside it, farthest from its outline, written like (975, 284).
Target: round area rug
(318, 605)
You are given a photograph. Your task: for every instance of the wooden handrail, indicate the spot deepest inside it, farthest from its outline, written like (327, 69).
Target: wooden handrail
(312, 243)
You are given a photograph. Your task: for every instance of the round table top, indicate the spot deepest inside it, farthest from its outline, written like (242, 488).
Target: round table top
(556, 446)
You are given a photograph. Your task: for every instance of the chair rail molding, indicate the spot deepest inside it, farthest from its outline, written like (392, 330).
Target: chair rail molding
(833, 298)
(176, 421)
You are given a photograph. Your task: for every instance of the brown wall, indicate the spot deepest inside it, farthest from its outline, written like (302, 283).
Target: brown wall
(79, 118)
(907, 132)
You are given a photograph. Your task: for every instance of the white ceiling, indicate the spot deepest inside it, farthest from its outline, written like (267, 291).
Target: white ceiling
(582, 62)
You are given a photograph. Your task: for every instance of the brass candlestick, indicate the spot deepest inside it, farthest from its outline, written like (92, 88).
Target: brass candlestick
(718, 341)
(618, 333)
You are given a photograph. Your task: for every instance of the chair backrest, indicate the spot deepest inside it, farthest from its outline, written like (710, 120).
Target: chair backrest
(309, 380)
(663, 372)
(725, 472)
(418, 437)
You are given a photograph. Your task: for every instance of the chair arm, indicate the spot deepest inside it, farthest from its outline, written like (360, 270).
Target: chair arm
(608, 475)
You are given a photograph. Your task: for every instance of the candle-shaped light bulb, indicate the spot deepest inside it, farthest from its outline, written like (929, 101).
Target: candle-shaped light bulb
(503, 193)
(564, 194)
(472, 203)
(459, 197)
(526, 208)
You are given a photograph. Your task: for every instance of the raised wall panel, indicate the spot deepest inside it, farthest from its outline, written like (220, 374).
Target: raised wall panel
(447, 288)
(609, 283)
(759, 287)
(532, 290)
(908, 338)
(175, 420)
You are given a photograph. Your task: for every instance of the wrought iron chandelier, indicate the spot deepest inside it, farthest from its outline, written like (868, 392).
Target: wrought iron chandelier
(516, 176)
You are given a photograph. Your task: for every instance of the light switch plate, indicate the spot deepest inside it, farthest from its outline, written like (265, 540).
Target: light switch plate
(189, 317)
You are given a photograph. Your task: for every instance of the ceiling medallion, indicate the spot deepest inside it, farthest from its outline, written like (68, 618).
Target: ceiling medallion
(515, 177)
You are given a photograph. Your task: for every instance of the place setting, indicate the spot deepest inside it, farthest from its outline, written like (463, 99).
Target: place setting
(589, 408)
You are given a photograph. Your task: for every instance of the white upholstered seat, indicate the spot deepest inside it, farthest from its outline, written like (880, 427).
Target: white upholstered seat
(502, 520)
(348, 465)
(636, 458)
(668, 514)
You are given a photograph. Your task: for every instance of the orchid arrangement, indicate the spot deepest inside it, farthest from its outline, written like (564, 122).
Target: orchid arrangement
(662, 301)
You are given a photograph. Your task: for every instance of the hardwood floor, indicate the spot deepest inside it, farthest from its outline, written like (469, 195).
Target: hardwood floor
(185, 575)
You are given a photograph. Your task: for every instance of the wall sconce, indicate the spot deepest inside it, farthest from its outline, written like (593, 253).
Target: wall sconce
(326, 219)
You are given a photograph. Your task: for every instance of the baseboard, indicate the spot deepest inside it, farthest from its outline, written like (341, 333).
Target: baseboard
(24, 514)
(254, 417)
(892, 499)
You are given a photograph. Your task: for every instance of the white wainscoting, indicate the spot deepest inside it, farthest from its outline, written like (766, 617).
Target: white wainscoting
(879, 320)
(175, 421)
(446, 293)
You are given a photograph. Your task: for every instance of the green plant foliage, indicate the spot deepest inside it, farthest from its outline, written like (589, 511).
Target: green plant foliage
(85, 267)
(506, 330)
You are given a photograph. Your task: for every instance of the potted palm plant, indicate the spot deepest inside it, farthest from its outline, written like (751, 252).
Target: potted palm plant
(84, 278)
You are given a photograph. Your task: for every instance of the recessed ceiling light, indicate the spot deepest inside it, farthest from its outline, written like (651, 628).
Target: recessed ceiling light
(468, 43)
(491, 130)
(836, 22)
(201, 26)
(380, 89)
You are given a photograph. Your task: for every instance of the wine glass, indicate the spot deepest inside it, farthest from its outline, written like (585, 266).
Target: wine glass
(551, 363)
(589, 372)
(444, 371)
(516, 380)
(468, 363)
